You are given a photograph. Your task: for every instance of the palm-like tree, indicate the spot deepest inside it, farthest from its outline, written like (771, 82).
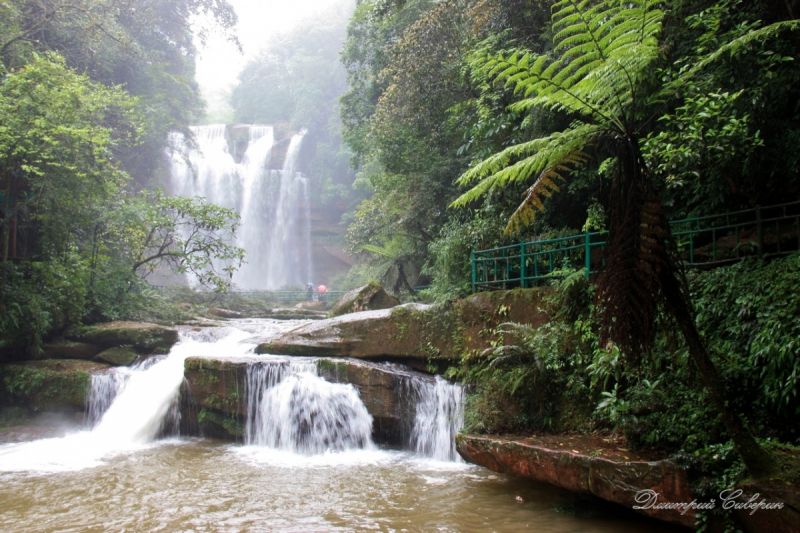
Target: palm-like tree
(602, 52)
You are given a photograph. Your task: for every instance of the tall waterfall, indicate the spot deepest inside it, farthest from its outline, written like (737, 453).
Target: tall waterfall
(273, 204)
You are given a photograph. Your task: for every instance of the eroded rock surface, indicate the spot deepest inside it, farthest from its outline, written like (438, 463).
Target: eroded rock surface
(584, 464)
(421, 336)
(64, 349)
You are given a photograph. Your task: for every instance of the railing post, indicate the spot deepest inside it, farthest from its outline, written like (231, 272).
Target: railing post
(522, 281)
(474, 270)
(760, 232)
(588, 259)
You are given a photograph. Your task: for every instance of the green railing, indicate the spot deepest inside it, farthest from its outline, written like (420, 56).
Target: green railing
(703, 241)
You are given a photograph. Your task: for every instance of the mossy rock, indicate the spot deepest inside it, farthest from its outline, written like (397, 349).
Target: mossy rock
(51, 384)
(65, 349)
(117, 356)
(370, 297)
(143, 337)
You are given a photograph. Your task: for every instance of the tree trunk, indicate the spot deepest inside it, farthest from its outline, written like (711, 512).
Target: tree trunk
(760, 462)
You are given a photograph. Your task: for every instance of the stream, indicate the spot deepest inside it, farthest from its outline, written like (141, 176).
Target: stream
(307, 463)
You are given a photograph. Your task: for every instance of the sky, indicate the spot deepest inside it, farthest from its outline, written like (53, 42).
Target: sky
(219, 62)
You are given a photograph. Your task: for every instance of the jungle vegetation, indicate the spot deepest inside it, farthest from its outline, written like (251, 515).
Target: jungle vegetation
(88, 93)
(562, 115)
(439, 127)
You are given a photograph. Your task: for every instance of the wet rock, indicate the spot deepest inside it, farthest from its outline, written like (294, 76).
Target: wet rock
(117, 356)
(370, 297)
(785, 519)
(143, 337)
(213, 401)
(212, 398)
(422, 336)
(64, 349)
(50, 384)
(586, 465)
(224, 313)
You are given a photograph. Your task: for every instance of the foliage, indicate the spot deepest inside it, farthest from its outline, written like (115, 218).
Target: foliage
(543, 379)
(145, 46)
(185, 235)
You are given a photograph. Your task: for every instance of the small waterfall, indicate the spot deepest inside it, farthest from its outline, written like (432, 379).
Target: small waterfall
(103, 390)
(273, 205)
(439, 416)
(290, 408)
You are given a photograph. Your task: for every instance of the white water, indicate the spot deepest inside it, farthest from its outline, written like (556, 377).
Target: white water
(285, 245)
(290, 409)
(273, 205)
(439, 417)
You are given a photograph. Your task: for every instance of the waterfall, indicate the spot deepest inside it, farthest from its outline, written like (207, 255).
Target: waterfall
(290, 408)
(273, 204)
(103, 389)
(287, 407)
(284, 265)
(439, 416)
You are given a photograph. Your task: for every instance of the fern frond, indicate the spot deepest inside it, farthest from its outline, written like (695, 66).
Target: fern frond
(537, 155)
(544, 186)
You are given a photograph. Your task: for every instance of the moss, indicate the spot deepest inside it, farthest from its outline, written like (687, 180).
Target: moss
(327, 365)
(229, 423)
(45, 384)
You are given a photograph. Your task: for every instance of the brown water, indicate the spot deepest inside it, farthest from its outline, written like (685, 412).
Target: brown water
(205, 485)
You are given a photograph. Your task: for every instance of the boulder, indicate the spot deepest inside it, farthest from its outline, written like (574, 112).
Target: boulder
(370, 297)
(47, 385)
(64, 349)
(142, 337)
(117, 356)
(224, 313)
(588, 465)
(421, 336)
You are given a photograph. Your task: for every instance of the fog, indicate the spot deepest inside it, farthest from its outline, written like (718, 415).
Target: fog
(219, 62)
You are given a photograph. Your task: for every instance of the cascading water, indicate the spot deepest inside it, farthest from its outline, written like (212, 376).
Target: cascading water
(273, 204)
(103, 390)
(439, 417)
(290, 408)
(285, 244)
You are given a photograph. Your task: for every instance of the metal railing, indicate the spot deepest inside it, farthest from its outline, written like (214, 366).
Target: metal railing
(702, 241)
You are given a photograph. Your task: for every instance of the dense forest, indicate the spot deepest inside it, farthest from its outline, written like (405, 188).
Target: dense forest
(438, 128)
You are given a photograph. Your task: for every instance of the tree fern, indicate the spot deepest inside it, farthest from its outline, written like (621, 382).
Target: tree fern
(602, 52)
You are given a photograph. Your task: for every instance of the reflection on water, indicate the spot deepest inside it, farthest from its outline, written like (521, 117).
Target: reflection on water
(202, 485)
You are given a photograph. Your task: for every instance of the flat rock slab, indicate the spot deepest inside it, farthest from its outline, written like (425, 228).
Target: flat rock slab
(64, 349)
(584, 464)
(414, 334)
(143, 337)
